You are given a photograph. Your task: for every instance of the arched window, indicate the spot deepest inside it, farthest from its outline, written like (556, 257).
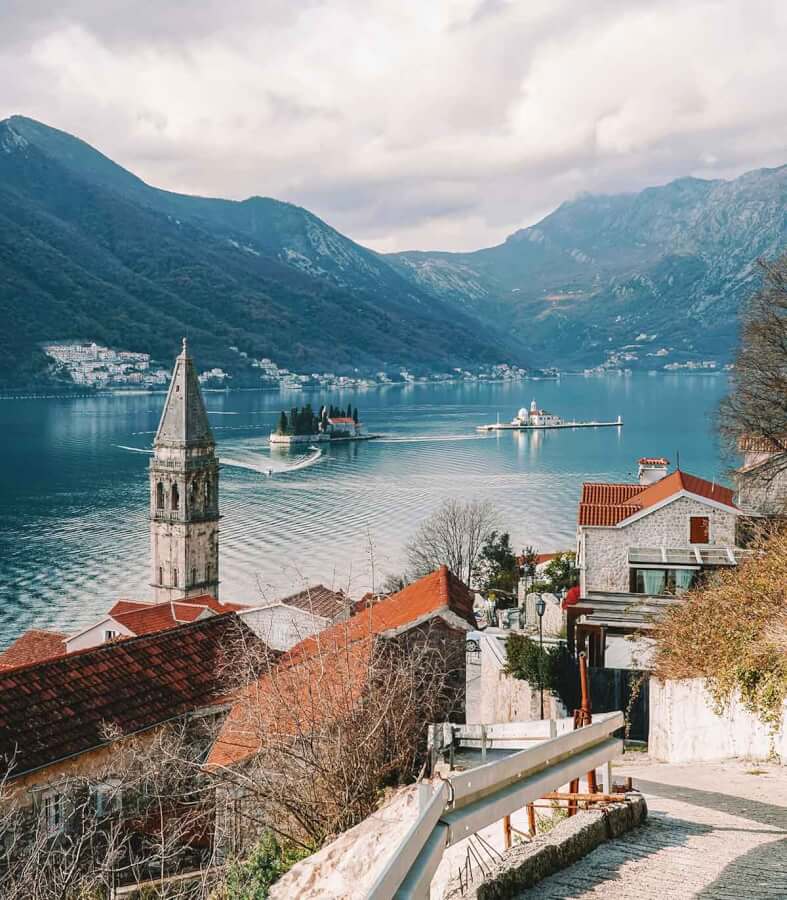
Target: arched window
(159, 496)
(208, 490)
(207, 571)
(194, 494)
(193, 576)
(175, 496)
(174, 577)
(160, 575)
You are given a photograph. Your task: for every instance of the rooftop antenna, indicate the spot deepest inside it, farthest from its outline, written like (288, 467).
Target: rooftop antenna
(677, 460)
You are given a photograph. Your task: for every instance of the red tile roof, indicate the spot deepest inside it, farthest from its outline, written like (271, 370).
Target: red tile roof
(124, 606)
(341, 420)
(320, 601)
(304, 679)
(52, 710)
(610, 504)
(145, 618)
(33, 646)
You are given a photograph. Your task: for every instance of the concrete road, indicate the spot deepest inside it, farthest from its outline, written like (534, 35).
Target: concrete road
(716, 832)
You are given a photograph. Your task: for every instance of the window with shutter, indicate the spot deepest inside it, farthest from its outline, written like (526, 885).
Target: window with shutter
(699, 530)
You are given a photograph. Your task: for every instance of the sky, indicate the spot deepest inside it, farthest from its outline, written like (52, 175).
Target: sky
(407, 124)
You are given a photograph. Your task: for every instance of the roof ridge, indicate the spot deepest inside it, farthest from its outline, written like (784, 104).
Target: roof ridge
(113, 645)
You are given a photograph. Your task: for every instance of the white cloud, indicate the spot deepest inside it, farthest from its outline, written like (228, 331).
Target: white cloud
(438, 125)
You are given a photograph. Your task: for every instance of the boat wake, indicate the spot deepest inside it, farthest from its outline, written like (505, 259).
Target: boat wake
(428, 439)
(270, 466)
(133, 449)
(253, 461)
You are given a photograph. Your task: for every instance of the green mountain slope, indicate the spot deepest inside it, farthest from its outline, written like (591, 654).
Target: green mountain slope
(88, 251)
(645, 279)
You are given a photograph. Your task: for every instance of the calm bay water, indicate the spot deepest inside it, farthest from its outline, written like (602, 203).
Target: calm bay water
(73, 482)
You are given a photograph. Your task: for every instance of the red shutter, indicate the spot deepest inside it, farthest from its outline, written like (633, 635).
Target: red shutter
(699, 530)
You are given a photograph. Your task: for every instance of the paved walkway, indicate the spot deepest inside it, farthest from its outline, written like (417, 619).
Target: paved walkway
(716, 832)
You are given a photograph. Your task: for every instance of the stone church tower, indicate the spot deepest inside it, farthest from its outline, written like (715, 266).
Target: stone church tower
(184, 493)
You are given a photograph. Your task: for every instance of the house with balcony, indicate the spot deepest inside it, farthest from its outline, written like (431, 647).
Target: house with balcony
(640, 545)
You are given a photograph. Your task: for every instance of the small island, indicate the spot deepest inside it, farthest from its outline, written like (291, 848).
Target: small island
(332, 423)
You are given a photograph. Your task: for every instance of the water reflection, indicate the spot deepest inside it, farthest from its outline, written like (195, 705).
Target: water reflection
(73, 514)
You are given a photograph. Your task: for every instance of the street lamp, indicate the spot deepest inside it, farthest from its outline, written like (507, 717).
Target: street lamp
(540, 610)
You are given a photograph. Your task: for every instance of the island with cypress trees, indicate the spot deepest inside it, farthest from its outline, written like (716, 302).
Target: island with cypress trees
(302, 425)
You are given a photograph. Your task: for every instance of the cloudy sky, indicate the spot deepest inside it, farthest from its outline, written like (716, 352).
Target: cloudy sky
(434, 124)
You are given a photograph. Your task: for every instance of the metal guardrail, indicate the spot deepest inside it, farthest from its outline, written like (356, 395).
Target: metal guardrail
(468, 801)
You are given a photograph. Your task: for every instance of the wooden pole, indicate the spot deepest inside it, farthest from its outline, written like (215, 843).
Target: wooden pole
(531, 820)
(507, 832)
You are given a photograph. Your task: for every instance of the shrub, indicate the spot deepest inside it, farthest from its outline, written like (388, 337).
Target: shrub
(560, 672)
(732, 631)
(252, 878)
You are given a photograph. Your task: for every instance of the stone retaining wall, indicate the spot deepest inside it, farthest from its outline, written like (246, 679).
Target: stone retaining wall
(526, 864)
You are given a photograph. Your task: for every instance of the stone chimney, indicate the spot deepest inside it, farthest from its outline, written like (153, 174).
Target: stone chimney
(652, 469)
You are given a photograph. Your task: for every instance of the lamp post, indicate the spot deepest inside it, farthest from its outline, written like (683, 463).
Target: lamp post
(540, 610)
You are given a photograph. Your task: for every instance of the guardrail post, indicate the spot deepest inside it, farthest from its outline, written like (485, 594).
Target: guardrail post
(531, 820)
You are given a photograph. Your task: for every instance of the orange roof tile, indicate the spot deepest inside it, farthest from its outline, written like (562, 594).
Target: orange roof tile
(33, 646)
(303, 679)
(145, 618)
(124, 606)
(610, 504)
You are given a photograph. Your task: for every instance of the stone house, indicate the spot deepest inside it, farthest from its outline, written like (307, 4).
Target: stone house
(73, 719)
(761, 481)
(327, 677)
(640, 546)
(626, 532)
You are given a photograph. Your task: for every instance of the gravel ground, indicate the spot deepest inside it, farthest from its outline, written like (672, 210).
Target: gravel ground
(716, 832)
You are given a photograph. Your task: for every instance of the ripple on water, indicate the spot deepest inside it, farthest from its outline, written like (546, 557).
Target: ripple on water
(73, 514)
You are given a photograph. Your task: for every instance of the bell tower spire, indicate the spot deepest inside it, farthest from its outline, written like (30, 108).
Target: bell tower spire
(184, 493)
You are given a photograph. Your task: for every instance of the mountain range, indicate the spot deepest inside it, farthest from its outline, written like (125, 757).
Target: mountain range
(88, 251)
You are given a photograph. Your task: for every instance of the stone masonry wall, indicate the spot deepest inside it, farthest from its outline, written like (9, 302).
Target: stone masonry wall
(606, 549)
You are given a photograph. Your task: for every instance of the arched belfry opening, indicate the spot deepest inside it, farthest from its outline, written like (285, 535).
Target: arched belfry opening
(184, 474)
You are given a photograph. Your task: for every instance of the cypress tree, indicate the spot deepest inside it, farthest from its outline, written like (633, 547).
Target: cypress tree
(355, 415)
(283, 423)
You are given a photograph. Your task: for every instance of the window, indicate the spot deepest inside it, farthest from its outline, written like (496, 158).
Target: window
(661, 581)
(175, 497)
(159, 496)
(194, 576)
(207, 492)
(175, 577)
(108, 798)
(109, 635)
(194, 494)
(53, 811)
(160, 575)
(699, 530)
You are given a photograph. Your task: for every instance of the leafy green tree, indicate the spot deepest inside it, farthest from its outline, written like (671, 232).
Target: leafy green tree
(560, 574)
(497, 568)
(526, 660)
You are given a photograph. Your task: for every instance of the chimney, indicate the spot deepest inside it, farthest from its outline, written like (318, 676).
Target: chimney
(652, 469)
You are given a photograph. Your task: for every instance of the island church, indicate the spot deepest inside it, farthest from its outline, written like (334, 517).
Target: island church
(184, 493)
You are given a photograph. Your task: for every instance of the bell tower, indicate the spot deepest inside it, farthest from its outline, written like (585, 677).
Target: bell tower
(184, 493)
